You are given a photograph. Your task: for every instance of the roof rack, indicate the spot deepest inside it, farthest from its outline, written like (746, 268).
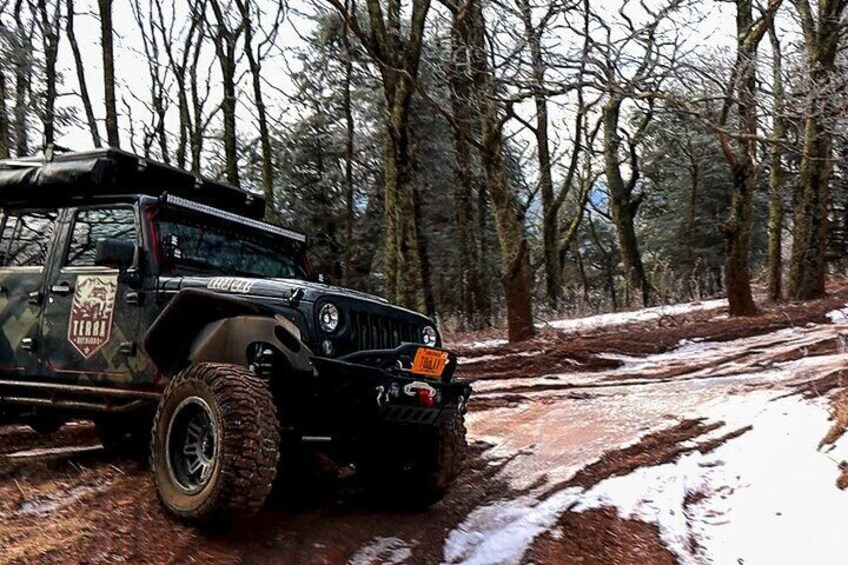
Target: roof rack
(72, 176)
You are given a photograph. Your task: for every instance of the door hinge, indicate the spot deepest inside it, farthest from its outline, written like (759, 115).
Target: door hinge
(27, 344)
(128, 348)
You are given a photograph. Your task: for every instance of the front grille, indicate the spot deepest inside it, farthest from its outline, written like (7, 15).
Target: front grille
(372, 331)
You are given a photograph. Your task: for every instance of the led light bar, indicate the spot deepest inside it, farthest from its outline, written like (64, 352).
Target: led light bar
(229, 216)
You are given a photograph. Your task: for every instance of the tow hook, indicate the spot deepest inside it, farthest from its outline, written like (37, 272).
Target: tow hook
(382, 397)
(425, 393)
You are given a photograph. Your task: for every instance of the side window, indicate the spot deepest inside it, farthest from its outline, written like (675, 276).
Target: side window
(26, 238)
(93, 225)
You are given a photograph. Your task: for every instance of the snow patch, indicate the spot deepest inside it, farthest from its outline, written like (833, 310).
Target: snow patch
(482, 358)
(637, 316)
(49, 504)
(770, 496)
(839, 316)
(388, 551)
(482, 343)
(502, 532)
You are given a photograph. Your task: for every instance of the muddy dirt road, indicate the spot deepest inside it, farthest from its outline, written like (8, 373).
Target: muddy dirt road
(659, 438)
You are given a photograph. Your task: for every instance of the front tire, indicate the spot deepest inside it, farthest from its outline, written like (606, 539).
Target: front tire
(215, 444)
(421, 474)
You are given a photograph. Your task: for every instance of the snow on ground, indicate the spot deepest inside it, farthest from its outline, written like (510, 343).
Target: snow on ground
(483, 343)
(693, 359)
(838, 316)
(637, 316)
(487, 358)
(383, 551)
(751, 482)
(771, 497)
(611, 319)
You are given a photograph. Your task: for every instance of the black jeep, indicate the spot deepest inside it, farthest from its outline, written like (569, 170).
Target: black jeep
(159, 305)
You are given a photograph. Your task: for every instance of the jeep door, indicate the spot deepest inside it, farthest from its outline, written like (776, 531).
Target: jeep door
(26, 243)
(92, 319)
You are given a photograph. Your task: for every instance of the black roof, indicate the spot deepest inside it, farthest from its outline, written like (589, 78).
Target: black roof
(69, 177)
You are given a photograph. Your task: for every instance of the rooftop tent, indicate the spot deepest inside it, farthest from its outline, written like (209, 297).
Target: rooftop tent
(70, 177)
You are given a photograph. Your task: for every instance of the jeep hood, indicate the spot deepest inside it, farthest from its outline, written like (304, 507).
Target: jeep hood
(274, 289)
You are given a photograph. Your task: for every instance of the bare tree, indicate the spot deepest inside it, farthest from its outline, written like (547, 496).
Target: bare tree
(226, 35)
(255, 55)
(509, 217)
(159, 99)
(777, 173)
(822, 37)
(631, 63)
(347, 108)
(49, 22)
(107, 38)
(80, 70)
(178, 50)
(23, 64)
(396, 50)
(742, 162)
(4, 118)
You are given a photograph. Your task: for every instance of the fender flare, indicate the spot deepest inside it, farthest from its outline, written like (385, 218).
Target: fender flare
(203, 326)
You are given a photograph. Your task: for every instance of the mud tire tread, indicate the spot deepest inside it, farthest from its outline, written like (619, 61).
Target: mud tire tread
(250, 442)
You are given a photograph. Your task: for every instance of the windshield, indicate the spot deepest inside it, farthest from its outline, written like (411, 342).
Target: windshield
(200, 245)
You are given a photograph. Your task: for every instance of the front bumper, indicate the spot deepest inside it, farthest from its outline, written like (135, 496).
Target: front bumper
(381, 386)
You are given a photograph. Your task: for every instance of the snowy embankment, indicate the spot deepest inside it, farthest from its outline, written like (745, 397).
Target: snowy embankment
(767, 496)
(634, 317)
(610, 320)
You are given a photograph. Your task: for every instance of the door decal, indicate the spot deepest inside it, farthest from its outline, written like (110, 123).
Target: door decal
(90, 324)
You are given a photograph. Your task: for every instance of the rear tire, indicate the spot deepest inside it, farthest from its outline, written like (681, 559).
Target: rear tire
(215, 444)
(423, 474)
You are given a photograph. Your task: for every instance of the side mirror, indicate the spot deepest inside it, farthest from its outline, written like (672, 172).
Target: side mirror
(116, 253)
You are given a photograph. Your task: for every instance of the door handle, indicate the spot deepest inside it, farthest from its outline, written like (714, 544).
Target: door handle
(62, 288)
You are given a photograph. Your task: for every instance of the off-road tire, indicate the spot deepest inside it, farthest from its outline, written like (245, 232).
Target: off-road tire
(247, 444)
(419, 478)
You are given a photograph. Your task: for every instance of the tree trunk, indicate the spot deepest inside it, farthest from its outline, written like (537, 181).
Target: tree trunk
(812, 190)
(622, 204)
(50, 41)
(550, 212)
(109, 93)
(197, 131)
(80, 69)
(470, 288)
(225, 48)
(743, 167)
(23, 82)
(776, 175)
(737, 233)
(255, 63)
(228, 108)
(424, 255)
(403, 262)
(515, 269)
(5, 149)
(350, 188)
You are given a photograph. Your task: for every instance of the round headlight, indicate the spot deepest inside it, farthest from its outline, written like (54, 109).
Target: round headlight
(429, 336)
(328, 317)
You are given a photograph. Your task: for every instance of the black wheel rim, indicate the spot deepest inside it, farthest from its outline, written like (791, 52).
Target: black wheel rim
(192, 445)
